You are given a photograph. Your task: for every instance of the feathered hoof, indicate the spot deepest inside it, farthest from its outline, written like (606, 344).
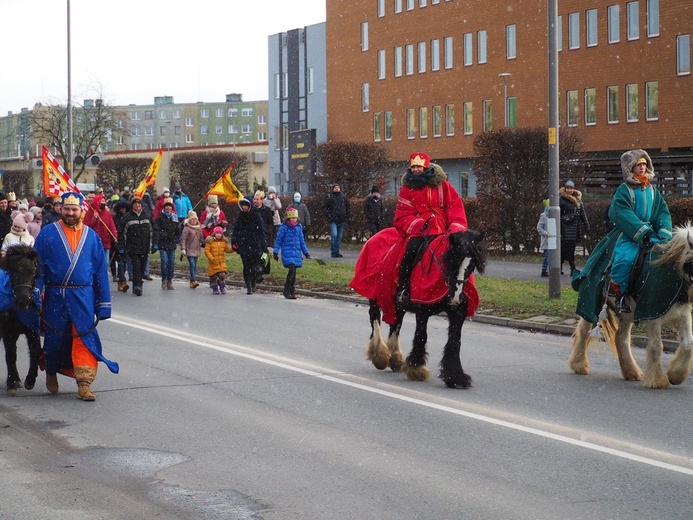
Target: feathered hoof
(13, 384)
(459, 380)
(580, 368)
(376, 354)
(676, 378)
(397, 362)
(420, 373)
(29, 383)
(657, 383)
(637, 375)
(380, 361)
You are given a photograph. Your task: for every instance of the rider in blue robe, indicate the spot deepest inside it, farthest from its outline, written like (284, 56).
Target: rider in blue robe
(74, 280)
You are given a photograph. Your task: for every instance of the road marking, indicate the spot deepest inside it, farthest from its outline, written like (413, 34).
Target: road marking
(333, 377)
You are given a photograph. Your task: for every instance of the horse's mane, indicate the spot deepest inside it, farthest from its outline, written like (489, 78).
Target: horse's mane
(16, 255)
(679, 250)
(471, 241)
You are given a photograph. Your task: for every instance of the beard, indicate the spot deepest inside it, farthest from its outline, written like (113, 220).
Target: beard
(71, 220)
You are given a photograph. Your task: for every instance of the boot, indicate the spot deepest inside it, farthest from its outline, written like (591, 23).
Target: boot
(215, 289)
(169, 285)
(163, 284)
(52, 383)
(123, 286)
(544, 273)
(85, 377)
(194, 284)
(222, 288)
(137, 291)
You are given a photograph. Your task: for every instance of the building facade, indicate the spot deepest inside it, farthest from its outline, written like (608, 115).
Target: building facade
(431, 75)
(297, 105)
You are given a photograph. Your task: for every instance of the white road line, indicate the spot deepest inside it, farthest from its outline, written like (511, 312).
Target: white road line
(333, 376)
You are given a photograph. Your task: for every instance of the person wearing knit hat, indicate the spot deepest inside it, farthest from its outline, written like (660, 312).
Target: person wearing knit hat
(268, 222)
(166, 240)
(291, 243)
(191, 245)
(543, 230)
(337, 210)
(641, 218)
(275, 205)
(248, 239)
(574, 223)
(216, 247)
(374, 210)
(303, 213)
(18, 234)
(212, 216)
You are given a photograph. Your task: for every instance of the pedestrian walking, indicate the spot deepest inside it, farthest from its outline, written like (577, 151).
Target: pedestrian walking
(574, 223)
(249, 241)
(216, 247)
(375, 210)
(291, 243)
(191, 245)
(336, 209)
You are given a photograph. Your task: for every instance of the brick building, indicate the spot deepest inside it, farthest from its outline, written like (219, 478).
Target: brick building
(432, 74)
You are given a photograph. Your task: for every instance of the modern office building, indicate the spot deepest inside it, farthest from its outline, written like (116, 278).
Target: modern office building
(431, 75)
(297, 105)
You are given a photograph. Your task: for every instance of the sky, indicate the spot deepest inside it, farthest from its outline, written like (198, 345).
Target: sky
(134, 50)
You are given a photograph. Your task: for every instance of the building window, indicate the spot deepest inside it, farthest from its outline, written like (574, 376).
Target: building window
(652, 101)
(422, 3)
(204, 113)
(120, 123)
(614, 24)
(450, 119)
(233, 112)
(381, 8)
(447, 55)
(574, 31)
(189, 138)
(135, 116)
(437, 121)
(364, 36)
(409, 59)
(410, 5)
(468, 49)
(163, 114)
(219, 112)
(247, 112)
(488, 115)
(176, 113)
(365, 97)
(590, 106)
(388, 125)
(376, 127)
(510, 42)
(652, 18)
(381, 64)
(219, 130)
(233, 129)
(633, 20)
(559, 33)
(631, 103)
(468, 118)
(398, 6)
(311, 80)
(481, 46)
(148, 114)
(512, 112)
(591, 27)
(572, 107)
(120, 140)
(178, 130)
(435, 54)
(188, 121)
(398, 61)
(422, 56)
(423, 122)
(262, 120)
(683, 54)
(262, 136)
(612, 104)
(277, 86)
(411, 123)
(204, 129)
(149, 130)
(247, 129)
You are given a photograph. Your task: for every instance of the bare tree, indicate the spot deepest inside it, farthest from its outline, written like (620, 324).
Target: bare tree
(122, 172)
(198, 171)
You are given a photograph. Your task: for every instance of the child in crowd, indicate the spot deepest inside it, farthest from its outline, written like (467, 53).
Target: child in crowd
(215, 248)
(291, 243)
(543, 230)
(18, 234)
(191, 245)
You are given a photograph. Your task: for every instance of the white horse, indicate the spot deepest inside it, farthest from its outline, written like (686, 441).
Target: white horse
(676, 255)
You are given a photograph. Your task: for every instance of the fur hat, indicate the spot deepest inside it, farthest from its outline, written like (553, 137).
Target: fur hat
(291, 213)
(419, 159)
(628, 161)
(212, 199)
(217, 229)
(20, 222)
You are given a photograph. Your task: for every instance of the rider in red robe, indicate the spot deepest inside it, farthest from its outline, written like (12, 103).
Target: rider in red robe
(428, 205)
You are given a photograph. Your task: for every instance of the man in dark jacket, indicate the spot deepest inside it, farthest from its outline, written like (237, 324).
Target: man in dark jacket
(5, 216)
(337, 211)
(51, 211)
(137, 234)
(169, 231)
(574, 223)
(375, 210)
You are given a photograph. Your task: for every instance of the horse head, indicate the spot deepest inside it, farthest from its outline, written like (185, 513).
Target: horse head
(464, 256)
(678, 253)
(21, 263)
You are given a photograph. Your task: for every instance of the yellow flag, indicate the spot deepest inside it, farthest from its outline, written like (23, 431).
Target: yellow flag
(226, 188)
(150, 178)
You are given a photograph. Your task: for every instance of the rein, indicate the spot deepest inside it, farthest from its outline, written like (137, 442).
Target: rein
(61, 332)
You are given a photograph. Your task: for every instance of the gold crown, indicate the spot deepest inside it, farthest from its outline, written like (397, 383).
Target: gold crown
(72, 200)
(418, 161)
(11, 196)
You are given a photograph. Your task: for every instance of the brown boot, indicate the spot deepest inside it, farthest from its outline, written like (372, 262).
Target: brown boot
(123, 286)
(194, 284)
(85, 377)
(52, 383)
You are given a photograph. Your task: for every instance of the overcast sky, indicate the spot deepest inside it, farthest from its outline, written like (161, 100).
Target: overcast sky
(134, 50)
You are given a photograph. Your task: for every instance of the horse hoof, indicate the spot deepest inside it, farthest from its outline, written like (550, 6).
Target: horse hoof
(419, 373)
(12, 392)
(380, 362)
(29, 384)
(460, 380)
(14, 385)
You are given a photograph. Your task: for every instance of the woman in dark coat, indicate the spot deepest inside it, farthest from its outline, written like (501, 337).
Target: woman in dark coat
(572, 217)
(249, 241)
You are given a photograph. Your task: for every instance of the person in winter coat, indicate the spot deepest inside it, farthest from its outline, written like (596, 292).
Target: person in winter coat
(212, 216)
(303, 213)
(291, 243)
(137, 235)
(168, 235)
(543, 230)
(51, 211)
(181, 202)
(274, 204)
(249, 241)
(159, 204)
(191, 245)
(216, 247)
(34, 226)
(101, 220)
(120, 208)
(572, 217)
(336, 209)
(268, 223)
(375, 210)
(18, 233)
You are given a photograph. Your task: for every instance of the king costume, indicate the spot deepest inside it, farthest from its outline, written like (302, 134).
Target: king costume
(73, 277)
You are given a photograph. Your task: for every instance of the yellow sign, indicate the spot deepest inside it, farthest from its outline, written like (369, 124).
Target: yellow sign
(552, 136)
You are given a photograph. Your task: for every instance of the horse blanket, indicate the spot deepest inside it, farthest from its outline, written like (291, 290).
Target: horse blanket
(376, 274)
(30, 317)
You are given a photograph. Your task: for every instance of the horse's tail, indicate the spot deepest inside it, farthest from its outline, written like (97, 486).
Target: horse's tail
(609, 325)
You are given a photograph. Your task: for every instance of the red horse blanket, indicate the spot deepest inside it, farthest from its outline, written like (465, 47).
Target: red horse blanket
(377, 271)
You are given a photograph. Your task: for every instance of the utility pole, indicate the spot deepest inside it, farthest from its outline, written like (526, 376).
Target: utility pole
(554, 208)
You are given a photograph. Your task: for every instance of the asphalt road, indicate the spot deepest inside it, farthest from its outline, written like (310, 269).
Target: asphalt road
(237, 407)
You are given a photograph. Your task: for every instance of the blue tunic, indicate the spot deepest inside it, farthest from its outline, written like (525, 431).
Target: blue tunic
(76, 291)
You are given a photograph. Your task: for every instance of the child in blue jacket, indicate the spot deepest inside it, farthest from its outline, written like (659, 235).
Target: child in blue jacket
(291, 242)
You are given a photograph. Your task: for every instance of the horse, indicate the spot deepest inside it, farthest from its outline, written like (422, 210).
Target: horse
(18, 312)
(674, 260)
(454, 268)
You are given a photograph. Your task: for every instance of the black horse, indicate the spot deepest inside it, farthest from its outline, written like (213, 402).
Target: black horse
(18, 312)
(462, 258)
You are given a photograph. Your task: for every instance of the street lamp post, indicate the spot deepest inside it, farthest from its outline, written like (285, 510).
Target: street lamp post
(504, 75)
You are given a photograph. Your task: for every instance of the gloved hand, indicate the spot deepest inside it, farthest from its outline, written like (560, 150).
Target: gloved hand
(307, 255)
(646, 238)
(276, 257)
(182, 253)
